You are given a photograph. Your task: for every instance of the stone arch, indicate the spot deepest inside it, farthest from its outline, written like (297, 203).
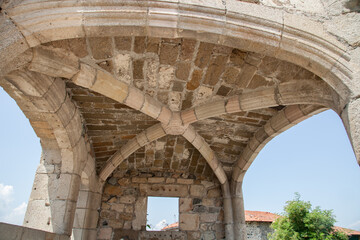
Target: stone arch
(58, 125)
(289, 93)
(233, 23)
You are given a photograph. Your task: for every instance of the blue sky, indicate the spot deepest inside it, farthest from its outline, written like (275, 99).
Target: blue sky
(313, 158)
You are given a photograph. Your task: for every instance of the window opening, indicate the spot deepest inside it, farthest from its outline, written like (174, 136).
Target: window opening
(162, 214)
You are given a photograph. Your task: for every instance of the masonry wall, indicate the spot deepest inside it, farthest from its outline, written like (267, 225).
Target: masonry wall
(124, 206)
(257, 230)
(9, 231)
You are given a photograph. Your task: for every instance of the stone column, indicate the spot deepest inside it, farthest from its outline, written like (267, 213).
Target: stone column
(228, 211)
(88, 204)
(351, 119)
(52, 202)
(86, 216)
(238, 211)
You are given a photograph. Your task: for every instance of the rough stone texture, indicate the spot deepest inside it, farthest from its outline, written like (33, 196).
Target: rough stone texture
(126, 204)
(14, 232)
(231, 64)
(257, 230)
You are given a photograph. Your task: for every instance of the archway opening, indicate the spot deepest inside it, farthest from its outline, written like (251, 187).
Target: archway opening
(313, 158)
(20, 155)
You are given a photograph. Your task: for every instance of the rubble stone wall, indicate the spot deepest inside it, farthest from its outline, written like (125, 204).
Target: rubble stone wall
(124, 206)
(257, 230)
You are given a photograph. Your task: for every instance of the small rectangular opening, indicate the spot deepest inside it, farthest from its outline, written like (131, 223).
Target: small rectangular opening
(162, 214)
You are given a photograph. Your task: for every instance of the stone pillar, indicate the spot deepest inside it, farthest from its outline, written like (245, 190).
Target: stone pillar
(228, 211)
(87, 214)
(351, 119)
(238, 211)
(52, 202)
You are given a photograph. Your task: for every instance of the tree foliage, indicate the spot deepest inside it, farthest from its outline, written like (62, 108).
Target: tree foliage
(301, 221)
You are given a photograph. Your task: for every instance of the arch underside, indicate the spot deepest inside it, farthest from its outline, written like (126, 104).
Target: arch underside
(160, 95)
(226, 94)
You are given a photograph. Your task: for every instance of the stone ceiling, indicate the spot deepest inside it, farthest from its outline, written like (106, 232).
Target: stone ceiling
(180, 73)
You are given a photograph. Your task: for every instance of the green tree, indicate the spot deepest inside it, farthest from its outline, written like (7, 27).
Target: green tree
(301, 221)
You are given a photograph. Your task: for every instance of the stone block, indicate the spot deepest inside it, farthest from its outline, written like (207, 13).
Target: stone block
(164, 190)
(74, 129)
(82, 199)
(112, 190)
(104, 233)
(183, 70)
(279, 121)
(79, 220)
(233, 105)
(165, 115)
(151, 107)
(185, 204)
(107, 85)
(185, 181)
(142, 139)
(208, 217)
(122, 63)
(207, 153)
(135, 99)
(254, 145)
(127, 199)
(220, 174)
(189, 222)
(194, 83)
(210, 110)
(130, 147)
(190, 134)
(140, 213)
(197, 191)
(170, 180)
(30, 83)
(215, 69)
(156, 180)
(258, 99)
(155, 132)
(66, 111)
(188, 116)
(214, 193)
(37, 214)
(198, 142)
(54, 62)
(166, 77)
(123, 234)
(86, 76)
(9, 231)
(100, 47)
(13, 42)
(139, 180)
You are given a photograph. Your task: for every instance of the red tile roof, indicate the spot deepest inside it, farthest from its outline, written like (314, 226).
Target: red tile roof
(173, 225)
(257, 216)
(347, 231)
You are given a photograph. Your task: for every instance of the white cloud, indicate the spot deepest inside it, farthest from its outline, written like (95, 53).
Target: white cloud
(16, 216)
(7, 213)
(160, 225)
(6, 192)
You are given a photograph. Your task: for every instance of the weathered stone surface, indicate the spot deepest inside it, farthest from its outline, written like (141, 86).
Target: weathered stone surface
(165, 190)
(185, 204)
(237, 98)
(54, 62)
(140, 212)
(189, 222)
(100, 47)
